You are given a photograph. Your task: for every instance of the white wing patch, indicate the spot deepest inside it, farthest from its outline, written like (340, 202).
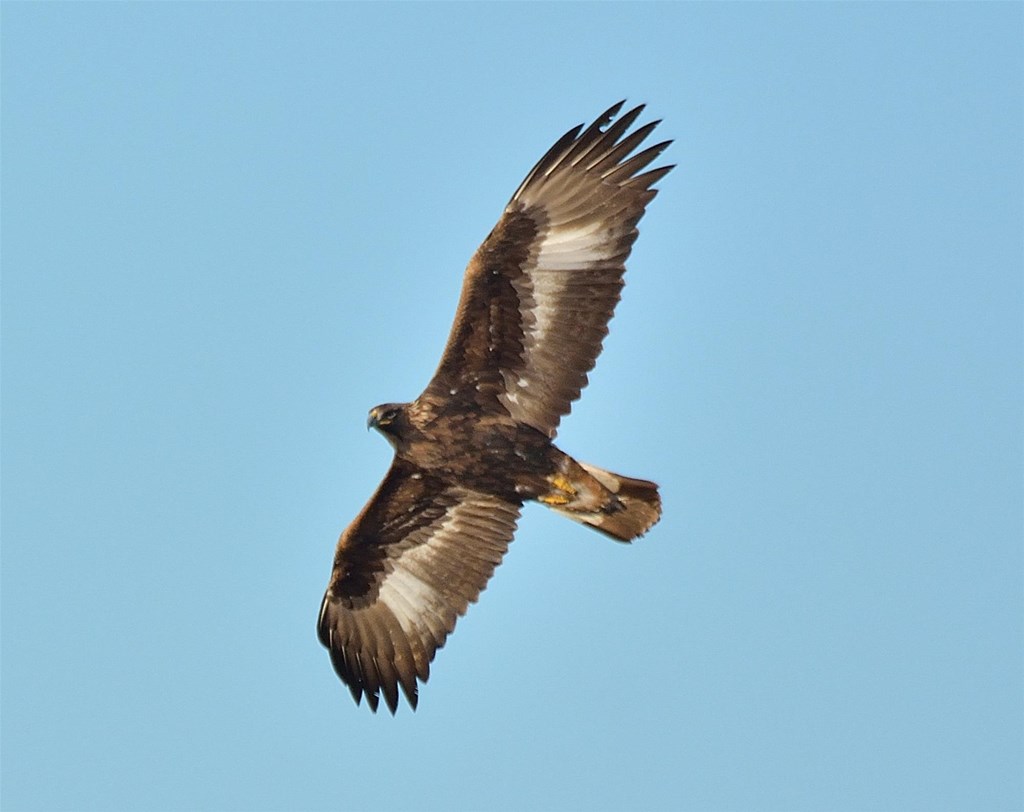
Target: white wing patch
(554, 282)
(408, 598)
(419, 587)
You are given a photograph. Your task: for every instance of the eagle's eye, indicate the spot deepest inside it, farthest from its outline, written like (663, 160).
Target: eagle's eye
(388, 416)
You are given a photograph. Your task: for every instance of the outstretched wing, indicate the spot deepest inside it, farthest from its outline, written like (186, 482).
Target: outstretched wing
(409, 565)
(540, 291)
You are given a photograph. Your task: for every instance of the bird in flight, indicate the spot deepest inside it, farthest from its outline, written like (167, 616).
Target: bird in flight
(478, 442)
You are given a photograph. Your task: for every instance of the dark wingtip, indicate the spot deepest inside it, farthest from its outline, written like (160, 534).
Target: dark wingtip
(612, 111)
(412, 695)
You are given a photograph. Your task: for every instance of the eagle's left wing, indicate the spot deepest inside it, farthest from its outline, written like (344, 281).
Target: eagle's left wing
(406, 568)
(539, 292)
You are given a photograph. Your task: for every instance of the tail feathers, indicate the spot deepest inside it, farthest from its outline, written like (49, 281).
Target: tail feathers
(633, 510)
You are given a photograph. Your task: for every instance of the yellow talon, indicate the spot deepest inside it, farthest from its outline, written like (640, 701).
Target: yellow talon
(563, 484)
(554, 499)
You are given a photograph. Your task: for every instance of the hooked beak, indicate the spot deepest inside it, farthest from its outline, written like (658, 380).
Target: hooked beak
(371, 420)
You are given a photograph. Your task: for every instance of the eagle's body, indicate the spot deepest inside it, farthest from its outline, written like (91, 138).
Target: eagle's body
(487, 453)
(498, 456)
(478, 442)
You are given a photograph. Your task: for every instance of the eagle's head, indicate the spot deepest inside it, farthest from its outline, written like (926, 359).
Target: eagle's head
(390, 419)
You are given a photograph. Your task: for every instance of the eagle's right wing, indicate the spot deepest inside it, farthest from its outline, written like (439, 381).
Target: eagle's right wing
(406, 568)
(540, 291)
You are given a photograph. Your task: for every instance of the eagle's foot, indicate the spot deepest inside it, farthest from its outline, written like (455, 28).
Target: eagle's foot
(563, 484)
(563, 493)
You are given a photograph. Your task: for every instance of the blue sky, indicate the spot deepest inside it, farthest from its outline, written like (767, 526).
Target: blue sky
(230, 229)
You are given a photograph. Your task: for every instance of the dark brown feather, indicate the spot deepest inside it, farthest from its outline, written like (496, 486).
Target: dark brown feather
(541, 289)
(408, 566)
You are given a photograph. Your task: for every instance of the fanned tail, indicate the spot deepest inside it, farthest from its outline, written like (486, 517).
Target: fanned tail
(632, 508)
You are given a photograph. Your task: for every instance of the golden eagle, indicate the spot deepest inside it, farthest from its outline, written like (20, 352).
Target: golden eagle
(477, 443)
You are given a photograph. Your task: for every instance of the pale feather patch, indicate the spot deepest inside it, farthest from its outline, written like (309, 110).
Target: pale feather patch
(408, 597)
(407, 594)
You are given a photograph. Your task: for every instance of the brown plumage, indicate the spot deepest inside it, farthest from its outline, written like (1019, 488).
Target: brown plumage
(477, 443)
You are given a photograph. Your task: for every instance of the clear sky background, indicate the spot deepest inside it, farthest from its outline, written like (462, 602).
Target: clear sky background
(230, 229)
